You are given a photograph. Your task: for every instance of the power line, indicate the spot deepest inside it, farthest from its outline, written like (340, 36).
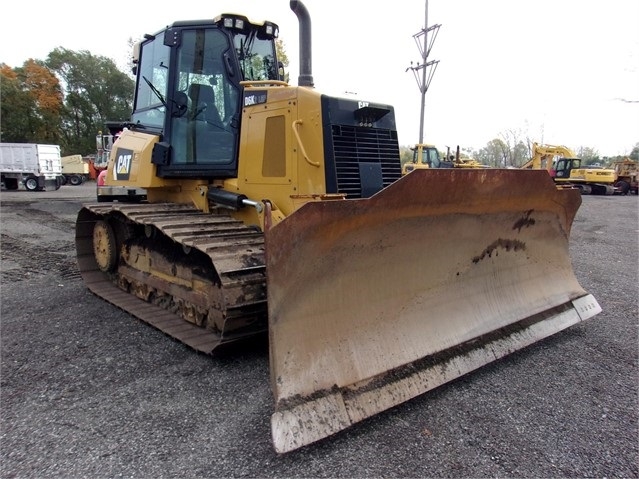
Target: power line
(425, 70)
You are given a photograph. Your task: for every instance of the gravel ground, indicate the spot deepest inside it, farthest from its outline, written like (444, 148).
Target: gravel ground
(88, 391)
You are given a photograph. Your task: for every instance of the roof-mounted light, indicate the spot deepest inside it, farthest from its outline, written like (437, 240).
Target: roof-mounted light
(230, 22)
(268, 30)
(233, 22)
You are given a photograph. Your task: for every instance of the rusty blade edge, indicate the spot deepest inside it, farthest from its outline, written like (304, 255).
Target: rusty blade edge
(300, 424)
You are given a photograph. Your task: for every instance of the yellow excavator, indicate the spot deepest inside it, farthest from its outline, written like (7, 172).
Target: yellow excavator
(276, 210)
(566, 170)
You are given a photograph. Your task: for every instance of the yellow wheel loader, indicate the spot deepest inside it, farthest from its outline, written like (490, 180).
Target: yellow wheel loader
(276, 210)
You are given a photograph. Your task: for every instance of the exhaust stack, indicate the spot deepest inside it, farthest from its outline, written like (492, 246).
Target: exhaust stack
(306, 70)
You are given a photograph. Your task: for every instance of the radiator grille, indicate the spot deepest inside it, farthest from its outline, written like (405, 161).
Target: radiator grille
(354, 145)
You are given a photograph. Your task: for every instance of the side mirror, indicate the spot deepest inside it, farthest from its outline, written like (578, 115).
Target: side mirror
(180, 104)
(282, 74)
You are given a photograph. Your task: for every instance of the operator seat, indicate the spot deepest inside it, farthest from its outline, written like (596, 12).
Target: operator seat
(204, 108)
(205, 140)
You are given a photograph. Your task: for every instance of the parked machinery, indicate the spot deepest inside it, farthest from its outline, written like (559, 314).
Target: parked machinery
(75, 170)
(427, 156)
(626, 170)
(277, 209)
(567, 171)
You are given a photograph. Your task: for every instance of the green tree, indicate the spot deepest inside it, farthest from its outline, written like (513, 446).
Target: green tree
(510, 149)
(95, 92)
(520, 154)
(589, 156)
(280, 50)
(496, 154)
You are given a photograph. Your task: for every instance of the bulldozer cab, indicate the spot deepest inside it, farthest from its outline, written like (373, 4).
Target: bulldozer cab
(188, 90)
(424, 156)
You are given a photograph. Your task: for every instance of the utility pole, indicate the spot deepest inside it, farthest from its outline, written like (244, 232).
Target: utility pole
(425, 68)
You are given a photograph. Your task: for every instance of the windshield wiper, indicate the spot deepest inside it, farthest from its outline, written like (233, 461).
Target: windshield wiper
(156, 91)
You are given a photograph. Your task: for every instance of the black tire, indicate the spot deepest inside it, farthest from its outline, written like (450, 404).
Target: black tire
(31, 183)
(623, 186)
(63, 180)
(75, 180)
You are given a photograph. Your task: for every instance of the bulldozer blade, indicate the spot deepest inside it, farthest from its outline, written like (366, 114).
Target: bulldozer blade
(375, 301)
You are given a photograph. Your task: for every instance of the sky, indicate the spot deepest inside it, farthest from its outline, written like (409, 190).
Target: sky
(560, 72)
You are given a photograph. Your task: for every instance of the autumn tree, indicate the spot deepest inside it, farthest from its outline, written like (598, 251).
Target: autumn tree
(31, 104)
(14, 104)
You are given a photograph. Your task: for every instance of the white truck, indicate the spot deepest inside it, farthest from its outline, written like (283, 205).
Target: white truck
(36, 166)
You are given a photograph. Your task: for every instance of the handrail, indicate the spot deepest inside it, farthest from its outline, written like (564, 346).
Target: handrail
(263, 82)
(299, 142)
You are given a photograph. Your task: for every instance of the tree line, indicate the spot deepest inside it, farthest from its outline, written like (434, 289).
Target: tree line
(67, 98)
(512, 149)
(63, 100)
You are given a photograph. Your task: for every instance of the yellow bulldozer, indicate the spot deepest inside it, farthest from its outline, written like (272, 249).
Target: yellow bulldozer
(427, 156)
(424, 156)
(277, 211)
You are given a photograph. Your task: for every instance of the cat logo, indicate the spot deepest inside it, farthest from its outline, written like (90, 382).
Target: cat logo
(123, 160)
